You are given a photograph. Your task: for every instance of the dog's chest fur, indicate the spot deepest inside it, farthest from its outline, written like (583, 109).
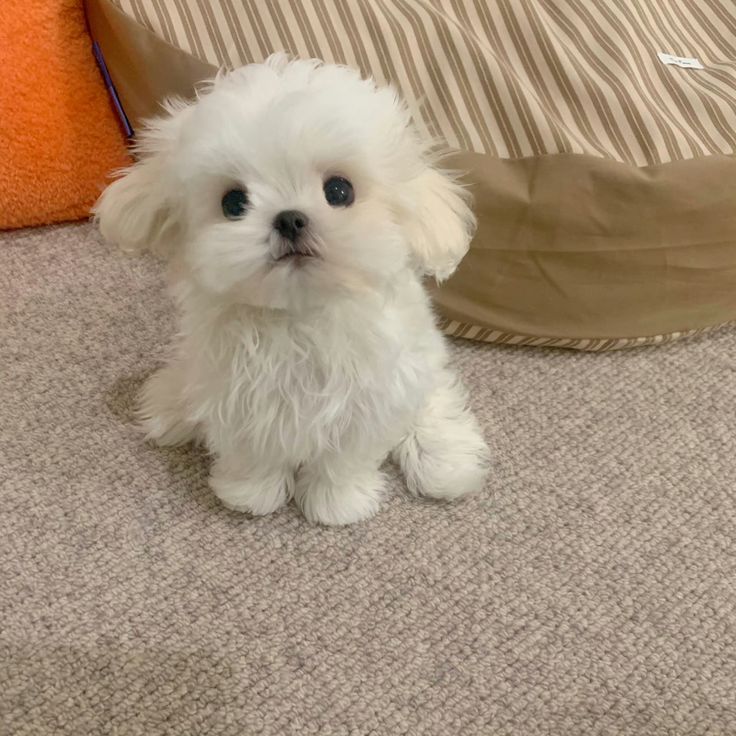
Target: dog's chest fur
(297, 388)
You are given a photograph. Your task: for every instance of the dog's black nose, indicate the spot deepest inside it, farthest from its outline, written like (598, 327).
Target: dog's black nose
(290, 223)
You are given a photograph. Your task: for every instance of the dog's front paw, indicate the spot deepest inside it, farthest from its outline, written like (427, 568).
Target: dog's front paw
(325, 500)
(256, 493)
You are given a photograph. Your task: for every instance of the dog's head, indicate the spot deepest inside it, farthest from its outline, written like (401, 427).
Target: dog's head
(286, 182)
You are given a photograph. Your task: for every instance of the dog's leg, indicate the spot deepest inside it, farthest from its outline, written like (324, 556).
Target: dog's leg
(339, 488)
(444, 455)
(253, 488)
(161, 411)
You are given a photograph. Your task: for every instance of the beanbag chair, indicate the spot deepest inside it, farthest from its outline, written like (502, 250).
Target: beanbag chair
(598, 138)
(58, 135)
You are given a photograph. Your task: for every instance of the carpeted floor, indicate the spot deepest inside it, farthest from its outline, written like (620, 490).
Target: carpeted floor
(591, 589)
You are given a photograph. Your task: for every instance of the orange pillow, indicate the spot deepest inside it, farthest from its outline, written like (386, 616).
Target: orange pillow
(59, 137)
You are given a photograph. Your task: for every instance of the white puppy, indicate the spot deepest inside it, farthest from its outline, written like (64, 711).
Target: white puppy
(299, 213)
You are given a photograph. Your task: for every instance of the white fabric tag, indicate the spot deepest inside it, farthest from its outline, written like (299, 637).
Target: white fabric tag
(684, 61)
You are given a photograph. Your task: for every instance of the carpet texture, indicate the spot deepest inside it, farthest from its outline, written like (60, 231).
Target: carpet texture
(590, 590)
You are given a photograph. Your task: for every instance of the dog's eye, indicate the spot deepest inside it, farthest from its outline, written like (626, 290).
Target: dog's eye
(339, 192)
(234, 203)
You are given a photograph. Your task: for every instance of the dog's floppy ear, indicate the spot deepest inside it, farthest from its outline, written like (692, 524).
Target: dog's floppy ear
(440, 223)
(137, 211)
(134, 211)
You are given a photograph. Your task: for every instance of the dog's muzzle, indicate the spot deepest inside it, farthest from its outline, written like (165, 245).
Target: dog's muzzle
(292, 226)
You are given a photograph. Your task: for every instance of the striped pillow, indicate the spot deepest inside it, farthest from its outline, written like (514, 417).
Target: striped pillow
(602, 164)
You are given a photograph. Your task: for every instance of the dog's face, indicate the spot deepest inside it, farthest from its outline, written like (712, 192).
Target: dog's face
(286, 183)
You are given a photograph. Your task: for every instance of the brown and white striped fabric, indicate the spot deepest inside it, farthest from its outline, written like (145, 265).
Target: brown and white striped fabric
(509, 78)
(604, 180)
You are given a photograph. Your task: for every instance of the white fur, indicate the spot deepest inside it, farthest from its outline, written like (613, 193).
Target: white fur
(302, 377)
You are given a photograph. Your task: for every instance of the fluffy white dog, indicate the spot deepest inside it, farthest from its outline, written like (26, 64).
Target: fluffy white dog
(299, 213)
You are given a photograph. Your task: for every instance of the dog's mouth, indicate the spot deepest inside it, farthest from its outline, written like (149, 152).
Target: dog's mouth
(288, 251)
(293, 256)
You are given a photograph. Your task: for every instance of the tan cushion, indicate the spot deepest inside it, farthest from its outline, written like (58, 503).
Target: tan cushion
(605, 180)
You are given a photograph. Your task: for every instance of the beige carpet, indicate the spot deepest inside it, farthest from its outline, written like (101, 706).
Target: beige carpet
(590, 590)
